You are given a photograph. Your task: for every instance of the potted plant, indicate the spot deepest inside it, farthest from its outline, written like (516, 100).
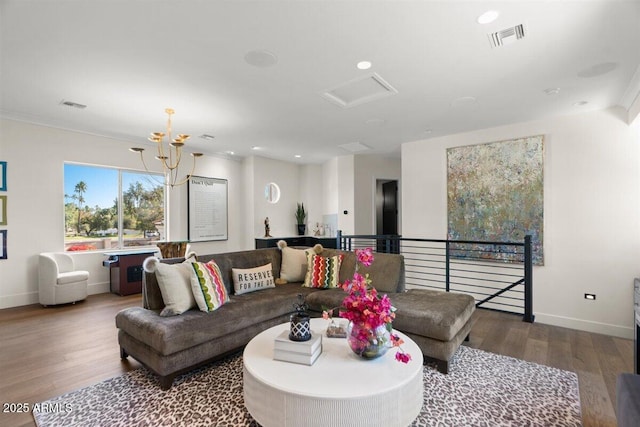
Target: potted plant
(301, 217)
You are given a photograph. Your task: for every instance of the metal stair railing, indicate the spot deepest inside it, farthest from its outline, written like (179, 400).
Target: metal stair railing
(499, 275)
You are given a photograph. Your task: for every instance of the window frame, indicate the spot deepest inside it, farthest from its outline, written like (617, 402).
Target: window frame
(156, 179)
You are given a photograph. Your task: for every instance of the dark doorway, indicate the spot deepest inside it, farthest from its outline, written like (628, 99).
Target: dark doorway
(390, 207)
(387, 213)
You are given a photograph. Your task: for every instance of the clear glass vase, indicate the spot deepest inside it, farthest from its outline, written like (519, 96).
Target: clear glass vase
(366, 342)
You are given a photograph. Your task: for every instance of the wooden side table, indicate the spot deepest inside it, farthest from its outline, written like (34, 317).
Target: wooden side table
(125, 271)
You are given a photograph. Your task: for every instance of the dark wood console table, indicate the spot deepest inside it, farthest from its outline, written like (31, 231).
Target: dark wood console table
(126, 270)
(306, 241)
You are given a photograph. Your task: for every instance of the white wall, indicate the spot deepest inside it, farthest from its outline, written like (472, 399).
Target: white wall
(368, 169)
(281, 215)
(248, 202)
(591, 207)
(330, 188)
(311, 193)
(214, 167)
(350, 185)
(35, 157)
(345, 190)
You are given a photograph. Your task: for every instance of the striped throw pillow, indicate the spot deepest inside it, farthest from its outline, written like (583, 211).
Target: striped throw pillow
(207, 286)
(323, 272)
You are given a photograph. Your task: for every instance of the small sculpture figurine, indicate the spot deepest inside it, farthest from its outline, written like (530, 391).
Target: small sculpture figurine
(316, 231)
(266, 227)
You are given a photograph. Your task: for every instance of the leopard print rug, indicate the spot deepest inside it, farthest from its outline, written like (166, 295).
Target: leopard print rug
(482, 389)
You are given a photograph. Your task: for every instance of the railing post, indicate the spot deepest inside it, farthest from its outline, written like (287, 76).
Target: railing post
(339, 239)
(447, 267)
(528, 281)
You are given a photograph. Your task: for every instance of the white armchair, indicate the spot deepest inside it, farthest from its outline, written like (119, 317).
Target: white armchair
(59, 282)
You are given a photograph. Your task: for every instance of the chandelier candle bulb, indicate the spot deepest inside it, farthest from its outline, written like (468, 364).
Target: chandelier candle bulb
(170, 157)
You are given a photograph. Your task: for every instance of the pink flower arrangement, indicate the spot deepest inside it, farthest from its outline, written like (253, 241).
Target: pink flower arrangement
(365, 307)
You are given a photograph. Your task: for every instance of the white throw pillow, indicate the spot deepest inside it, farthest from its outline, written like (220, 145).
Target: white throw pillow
(252, 279)
(174, 281)
(293, 267)
(294, 264)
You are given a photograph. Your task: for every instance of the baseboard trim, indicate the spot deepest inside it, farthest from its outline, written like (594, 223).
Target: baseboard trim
(585, 325)
(99, 288)
(18, 300)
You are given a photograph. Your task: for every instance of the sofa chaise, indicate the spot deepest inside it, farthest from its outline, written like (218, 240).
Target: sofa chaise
(437, 321)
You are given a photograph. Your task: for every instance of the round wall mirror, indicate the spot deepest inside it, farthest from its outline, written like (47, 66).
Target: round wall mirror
(272, 192)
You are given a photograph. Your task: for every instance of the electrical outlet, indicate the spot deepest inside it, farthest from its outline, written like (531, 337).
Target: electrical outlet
(591, 297)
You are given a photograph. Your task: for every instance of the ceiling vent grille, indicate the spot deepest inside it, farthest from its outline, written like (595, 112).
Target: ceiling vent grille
(506, 36)
(355, 147)
(72, 104)
(360, 90)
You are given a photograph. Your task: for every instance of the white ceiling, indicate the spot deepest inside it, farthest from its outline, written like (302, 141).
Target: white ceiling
(129, 60)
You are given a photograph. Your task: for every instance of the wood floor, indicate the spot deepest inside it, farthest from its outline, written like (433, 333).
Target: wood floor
(46, 352)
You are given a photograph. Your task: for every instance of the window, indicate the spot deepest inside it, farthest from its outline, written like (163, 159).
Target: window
(107, 208)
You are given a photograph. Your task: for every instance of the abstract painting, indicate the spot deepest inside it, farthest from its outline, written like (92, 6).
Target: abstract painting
(495, 194)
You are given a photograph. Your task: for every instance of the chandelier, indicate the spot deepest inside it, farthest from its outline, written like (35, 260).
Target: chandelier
(169, 156)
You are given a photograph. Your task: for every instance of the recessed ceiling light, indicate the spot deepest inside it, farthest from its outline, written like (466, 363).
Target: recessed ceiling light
(465, 101)
(375, 121)
(231, 153)
(207, 136)
(552, 91)
(255, 147)
(580, 103)
(488, 17)
(363, 65)
(297, 156)
(261, 58)
(427, 131)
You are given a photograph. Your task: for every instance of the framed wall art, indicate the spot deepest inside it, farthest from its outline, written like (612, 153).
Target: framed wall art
(495, 194)
(3, 176)
(3, 210)
(208, 199)
(3, 244)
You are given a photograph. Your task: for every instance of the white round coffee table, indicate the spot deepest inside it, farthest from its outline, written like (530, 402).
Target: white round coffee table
(338, 389)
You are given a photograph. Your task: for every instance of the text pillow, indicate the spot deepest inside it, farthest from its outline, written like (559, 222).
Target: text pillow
(207, 286)
(323, 272)
(252, 279)
(174, 281)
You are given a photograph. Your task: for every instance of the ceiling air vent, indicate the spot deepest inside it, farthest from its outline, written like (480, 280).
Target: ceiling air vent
(358, 91)
(355, 147)
(506, 36)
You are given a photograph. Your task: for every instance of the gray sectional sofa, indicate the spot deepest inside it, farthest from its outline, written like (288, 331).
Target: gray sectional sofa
(437, 321)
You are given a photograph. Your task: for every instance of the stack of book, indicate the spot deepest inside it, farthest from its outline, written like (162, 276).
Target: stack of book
(303, 352)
